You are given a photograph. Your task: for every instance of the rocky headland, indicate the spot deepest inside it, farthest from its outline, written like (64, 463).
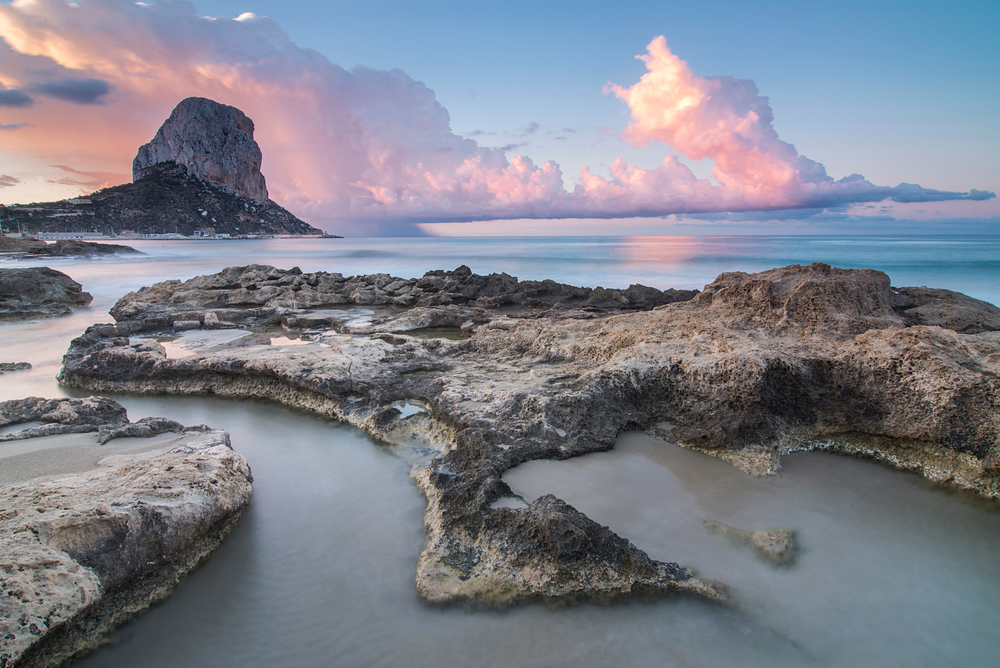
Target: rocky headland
(199, 174)
(469, 376)
(100, 518)
(39, 292)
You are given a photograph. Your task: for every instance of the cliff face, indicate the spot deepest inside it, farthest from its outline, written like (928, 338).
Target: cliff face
(213, 141)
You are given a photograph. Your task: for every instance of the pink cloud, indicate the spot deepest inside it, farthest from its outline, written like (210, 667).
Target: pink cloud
(721, 118)
(372, 145)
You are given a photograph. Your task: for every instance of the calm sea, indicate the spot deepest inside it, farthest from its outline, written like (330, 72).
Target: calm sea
(319, 572)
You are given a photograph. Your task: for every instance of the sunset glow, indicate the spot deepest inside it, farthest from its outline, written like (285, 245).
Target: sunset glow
(87, 83)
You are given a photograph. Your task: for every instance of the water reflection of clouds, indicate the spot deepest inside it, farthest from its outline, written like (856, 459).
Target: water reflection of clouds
(965, 264)
(658, 250)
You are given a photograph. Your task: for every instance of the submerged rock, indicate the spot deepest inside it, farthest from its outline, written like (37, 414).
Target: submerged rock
(774, 545)
(38, 292)
(82, 551)
(755, 366)
(14, 366)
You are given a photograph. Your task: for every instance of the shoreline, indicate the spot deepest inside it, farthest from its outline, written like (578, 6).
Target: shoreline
(743, 379)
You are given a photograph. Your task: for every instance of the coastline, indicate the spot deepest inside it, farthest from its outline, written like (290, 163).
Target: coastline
(732, 377)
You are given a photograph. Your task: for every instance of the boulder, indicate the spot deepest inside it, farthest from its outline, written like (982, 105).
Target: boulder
(38, 292)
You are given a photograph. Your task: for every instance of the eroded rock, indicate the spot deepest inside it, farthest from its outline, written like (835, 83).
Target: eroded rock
(82, 552)
(756, 366)
(14, 366)
(777, 546)
(28, 247)
(38, 292)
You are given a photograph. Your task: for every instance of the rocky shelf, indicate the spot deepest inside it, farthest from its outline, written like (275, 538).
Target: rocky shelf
(28, 247)
(106, 528)
(470, 375)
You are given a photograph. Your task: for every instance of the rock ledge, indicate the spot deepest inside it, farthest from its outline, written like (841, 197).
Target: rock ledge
(494, 372)
(82, 552)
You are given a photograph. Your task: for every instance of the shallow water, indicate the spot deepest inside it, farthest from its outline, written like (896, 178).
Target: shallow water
(890, 571)
(320, 570)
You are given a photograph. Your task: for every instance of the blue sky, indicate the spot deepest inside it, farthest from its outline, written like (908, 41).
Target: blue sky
(898, 92)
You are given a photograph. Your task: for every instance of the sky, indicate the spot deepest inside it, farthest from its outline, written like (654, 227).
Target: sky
(458, 118)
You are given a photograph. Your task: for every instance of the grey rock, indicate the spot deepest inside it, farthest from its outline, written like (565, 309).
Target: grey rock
(944, 308)
(777, 546)
(14, 366)
(60, 416)
(756, 366)
(213, 141)
(82, 553)
(261, 293)
(144, 428)
(29, 247)
(38, 292)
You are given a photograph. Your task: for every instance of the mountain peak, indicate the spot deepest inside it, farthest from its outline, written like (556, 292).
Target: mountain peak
(213, 141)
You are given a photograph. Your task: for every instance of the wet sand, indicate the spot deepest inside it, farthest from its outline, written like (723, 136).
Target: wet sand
(66, 454)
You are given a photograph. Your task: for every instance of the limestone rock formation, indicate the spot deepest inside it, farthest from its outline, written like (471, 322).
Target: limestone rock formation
(83, 550)
(38, 292)
(199, 176)
(753, 367)
(213, 141)
(261, 294)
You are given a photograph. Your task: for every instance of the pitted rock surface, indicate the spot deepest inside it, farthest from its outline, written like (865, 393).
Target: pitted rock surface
(755, 366)
(213, 141)
(81, 553)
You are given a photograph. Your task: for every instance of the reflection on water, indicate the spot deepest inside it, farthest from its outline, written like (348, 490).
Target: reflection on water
(889, 572)
(969, 264)
(319, 572)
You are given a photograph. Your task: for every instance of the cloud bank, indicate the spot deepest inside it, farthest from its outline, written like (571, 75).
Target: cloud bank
(376, 146)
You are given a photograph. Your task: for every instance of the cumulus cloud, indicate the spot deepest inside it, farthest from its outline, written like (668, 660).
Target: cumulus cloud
(728, 121)
(8, 181)
(13, 97)
(373, 145)
(77, 91)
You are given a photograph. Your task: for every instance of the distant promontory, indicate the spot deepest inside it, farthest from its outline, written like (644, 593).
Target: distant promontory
(198, 177)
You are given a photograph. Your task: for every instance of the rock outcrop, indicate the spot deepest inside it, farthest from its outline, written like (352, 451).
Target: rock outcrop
(81, 552)
(260, 294)
(14, 366)
(38, 292)
(26, 247)
(213, 141)
(776, 546)
(753, 367)
(200, 175)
